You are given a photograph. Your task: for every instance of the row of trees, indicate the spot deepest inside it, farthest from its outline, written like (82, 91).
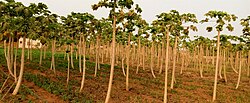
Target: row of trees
(143, 43)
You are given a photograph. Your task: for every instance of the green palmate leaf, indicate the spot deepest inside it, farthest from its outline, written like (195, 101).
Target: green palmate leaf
(186, 31)
(138, 9)
(194, 28)
(220, 22)
(219, 27)
(246, 30)
(209, 29)
(230, 27)
(234, 17)
(227, 18)
(244, 22)
(95, 7)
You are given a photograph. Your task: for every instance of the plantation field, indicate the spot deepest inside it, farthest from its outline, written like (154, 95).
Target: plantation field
(40, 84)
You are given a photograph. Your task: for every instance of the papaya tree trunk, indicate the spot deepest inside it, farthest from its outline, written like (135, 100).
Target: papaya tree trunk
(8, 57)
(112, 60)
(52, 67)
(182, 61)
(166, 69)
(44, 53)
(123, 58)
(220, 65)
(231, 62)
(15, 63)
(151, 60)
(28, 53)
(80, 54)
(201, 60)
(84, 63)
(21, 69)
(31, 44)
(143, 57)
(217, 66)
(239, 76)
(41, 56)
(224, 65)
(68, 68)
(71, 55)
(213, 56)
(127, 62)
(174, 62)
(139, 56)
(96, 55)
(248, 72)
(162, 57)
(158, 56)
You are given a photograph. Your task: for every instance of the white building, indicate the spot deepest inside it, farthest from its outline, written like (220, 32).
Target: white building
(30, 42)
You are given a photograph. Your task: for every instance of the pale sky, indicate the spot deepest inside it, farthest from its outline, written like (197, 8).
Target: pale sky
(151, 8)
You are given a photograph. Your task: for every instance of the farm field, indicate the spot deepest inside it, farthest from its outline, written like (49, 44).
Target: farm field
(40, 84)
(124, 51)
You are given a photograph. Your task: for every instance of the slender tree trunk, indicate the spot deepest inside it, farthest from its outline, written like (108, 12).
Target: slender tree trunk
(133, 55)
(158, 56)
(84, 64)
(53, 67)
(224, 65)
(231, 62)
(166, 69)
(220, 65)
(239, 77)
(143, 57)
(217, 66)
(236, 60)
(151, 60)
(201, 60)
(103, 54)
(21, 69)
(44, 53)
(174, 62)
(248, 72)
(28, 53)
(71, 55)
(127, 62)
(41, 56)
(207, 55)
(5, 49)
(123, 58)
(12, 54)
(182, 61)
(97, 56)
(77, 51)
(15, 63)
(80, 54)
(68, 68)
(8, 57)
(31, 43)
(213, 56)
(112, 60)
(162, 57)
(139, 56)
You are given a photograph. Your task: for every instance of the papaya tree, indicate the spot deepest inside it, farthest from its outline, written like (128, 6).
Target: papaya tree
(221, 19)
(246, 33)
(27, 13)
(113, 5)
